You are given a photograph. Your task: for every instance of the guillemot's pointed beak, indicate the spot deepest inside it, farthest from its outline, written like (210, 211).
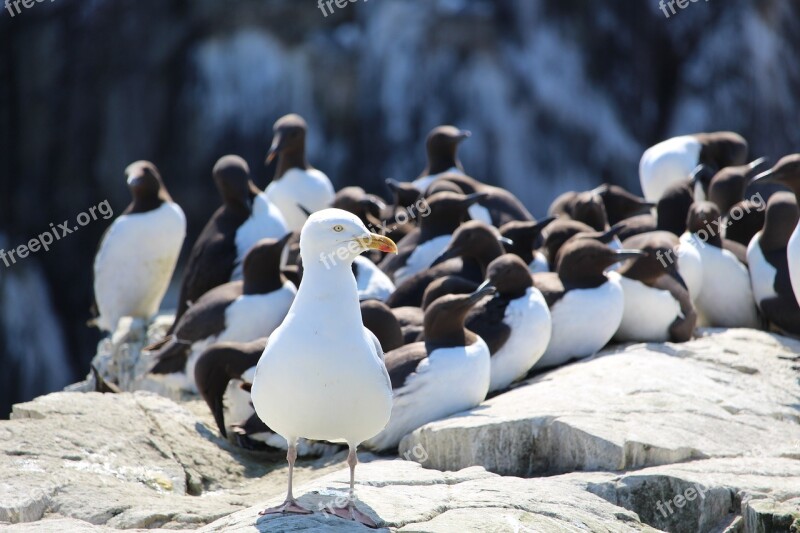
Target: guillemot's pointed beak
(622, 255)
(768, 176)
(464, 134)
(283, 240)
(307, 212)
(277, 144)
(379, 242)
(505, 241)
(757, 163)
(485, 289)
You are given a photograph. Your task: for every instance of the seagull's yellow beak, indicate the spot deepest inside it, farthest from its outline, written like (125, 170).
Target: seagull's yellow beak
(378, 242)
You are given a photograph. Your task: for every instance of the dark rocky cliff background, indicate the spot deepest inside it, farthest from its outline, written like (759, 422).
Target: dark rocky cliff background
(559, 94)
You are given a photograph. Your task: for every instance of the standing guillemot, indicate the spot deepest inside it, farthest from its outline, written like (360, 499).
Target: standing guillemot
(244, 218)
(473, 246)
(658, 306)
(525, 241)
(441, 147)
(418, 249)
(515, 323)
(787, 173)
(724, 297)
(586, 304)
(138, 252)
(348, 396)
(448, 373)
(673, 160)
(296, 188)
(769, 264)
(235, 311)
(499, 205)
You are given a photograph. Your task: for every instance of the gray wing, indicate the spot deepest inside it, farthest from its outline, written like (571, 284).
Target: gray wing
(379, 354)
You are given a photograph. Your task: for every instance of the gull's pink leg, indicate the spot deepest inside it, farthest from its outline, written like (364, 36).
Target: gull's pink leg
(290, 505)
(350, 512)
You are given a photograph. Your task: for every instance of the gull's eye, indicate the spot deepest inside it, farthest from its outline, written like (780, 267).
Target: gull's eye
(338, 227)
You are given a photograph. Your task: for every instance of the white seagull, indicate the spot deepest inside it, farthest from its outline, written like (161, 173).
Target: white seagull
(322, 375)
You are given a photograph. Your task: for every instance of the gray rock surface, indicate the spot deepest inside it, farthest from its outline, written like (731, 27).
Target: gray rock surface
(128, 461)
(120, 359)
(702, 437)
(748, 493)
(402, 496)
(728, 394)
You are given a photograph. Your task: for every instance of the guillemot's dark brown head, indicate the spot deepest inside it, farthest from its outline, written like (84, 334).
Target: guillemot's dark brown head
(473, 240)
(288, 144)
(405, 194)
(582, 262)
(444, 319)
(446, 285)
(786, 172)
(722, 149)
(703, 220)
(442, 185)
(728, 186)
(560, 232)
(367, 207)
(261, 266)
(447, 210)
(509, 275)
(659, 247)
(147, 189)
(621, 204)
(588, 207)
(526, 236)
(442, 149)
(673, 207)
(232, 178)
(780, 221)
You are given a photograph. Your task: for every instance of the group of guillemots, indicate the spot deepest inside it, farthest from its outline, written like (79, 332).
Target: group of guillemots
(298, 341)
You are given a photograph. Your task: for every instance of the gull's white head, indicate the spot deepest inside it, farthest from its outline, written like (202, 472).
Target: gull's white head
(335, 236)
